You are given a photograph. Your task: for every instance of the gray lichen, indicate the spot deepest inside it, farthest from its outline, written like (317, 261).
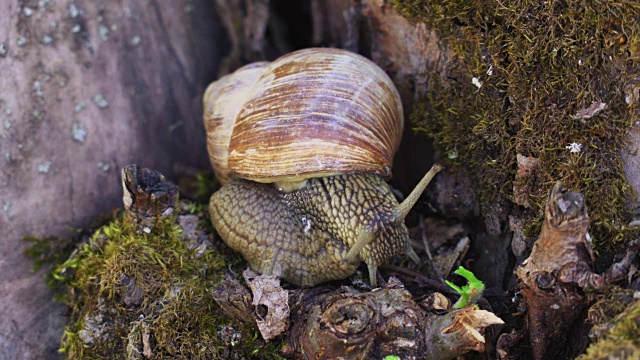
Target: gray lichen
(103, 166)
(80, 106)
(100, 101)
(43, 4)
(37, 88)
(74, 11)
(44, 167)
(78, 132)
(47, 40)
(22, 41)
(104, 32)
(37, 115)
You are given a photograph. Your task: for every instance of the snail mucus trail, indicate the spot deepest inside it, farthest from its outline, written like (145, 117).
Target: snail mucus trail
(302, 146)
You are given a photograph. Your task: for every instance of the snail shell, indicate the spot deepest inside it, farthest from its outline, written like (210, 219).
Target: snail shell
(324, 125)
(311, 113)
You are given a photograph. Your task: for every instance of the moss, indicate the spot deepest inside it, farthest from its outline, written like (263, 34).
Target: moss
(205, 184)
(197, 186)
(608, 305)
(622, 341)
(539, 64)
(51, 251)
(130, 292)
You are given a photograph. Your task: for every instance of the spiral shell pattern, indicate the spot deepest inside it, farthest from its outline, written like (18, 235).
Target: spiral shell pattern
(311, 113)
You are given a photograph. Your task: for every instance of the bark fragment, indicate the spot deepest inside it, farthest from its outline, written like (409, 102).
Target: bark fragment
(235, 300)
(147, 195)
(558, 271)
(507, 345)
(523, 182)
(458, 332)
(594, 109)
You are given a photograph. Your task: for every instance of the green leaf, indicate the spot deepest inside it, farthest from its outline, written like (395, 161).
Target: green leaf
(469, 293)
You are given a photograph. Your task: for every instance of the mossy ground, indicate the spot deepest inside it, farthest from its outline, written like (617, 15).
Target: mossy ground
(54, 250)
(623, 339)
(124, 285)
(539, 63)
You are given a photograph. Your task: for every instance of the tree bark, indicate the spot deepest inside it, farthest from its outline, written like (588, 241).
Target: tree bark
(559, 273)
(88, 85)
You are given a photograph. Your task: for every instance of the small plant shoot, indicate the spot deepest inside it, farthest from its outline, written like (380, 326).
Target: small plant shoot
(469, 293)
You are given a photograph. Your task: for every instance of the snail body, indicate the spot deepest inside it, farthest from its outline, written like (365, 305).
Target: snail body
(303, 146)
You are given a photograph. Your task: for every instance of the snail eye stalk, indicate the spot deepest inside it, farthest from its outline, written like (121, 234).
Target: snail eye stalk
(403, 209)
(364, 238)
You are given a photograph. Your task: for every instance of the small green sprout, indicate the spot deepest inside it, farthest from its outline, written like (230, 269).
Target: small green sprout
(470, 293)
(391, 357)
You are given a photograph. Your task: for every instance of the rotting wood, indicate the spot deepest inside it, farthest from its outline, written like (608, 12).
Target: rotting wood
(348, 324)
(554, 278)
(147, 195)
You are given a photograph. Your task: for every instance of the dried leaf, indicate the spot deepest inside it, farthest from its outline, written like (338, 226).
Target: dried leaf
(521, 187)
(267, 292)
(594, 109)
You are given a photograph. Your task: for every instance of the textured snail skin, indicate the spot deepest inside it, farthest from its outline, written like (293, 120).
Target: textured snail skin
(303, 236)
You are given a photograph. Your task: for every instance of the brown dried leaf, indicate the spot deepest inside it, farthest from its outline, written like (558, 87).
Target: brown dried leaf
(521, 187)
(267, 292)
(461, 331)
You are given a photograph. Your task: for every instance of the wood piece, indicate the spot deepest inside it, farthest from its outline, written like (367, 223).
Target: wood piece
(351, 325)
(235, 301)
(559, 270)
(147, 195)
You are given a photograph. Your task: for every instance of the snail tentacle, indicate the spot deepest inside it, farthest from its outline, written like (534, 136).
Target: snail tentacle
(412, 254)
(403, 209)
(373, 269)
(365, 237)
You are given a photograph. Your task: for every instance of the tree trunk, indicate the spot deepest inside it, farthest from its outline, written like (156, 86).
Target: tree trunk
(88, 85)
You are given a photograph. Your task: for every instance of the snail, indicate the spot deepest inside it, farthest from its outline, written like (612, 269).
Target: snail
(302, 147)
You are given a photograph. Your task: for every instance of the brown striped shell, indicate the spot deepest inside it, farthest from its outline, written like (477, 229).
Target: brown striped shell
(311, 113)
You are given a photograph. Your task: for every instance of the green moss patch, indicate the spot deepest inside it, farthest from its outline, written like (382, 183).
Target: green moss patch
(51, 251)
(536, 66)
(623, 339)
(133, 294)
